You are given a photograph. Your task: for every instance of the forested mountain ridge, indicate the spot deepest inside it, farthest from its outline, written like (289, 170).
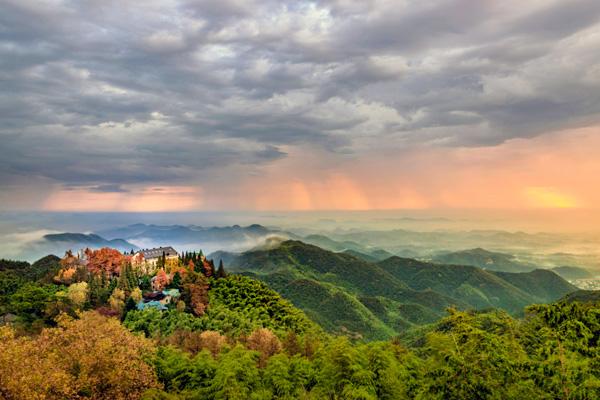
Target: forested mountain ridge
(485, 259)
(478, 287)
(75, 332)
(374, 300)
(58, 243)
(572, 273)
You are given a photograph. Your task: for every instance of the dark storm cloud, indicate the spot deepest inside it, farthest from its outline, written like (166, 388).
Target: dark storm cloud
(104, 94)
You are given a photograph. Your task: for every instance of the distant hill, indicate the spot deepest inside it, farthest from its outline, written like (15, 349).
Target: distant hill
(339, 290)
(362, 256)
(485, 259)
(344, 292)
(76, 241)
(544, 284)
(42, 269)
(225, 256)
(60, 242)
(419, 244)
(478, 287)
(193, 237)
(572, 273)
(368, 253)
(583, 296)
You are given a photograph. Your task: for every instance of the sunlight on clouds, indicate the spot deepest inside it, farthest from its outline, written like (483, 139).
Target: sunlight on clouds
(148, 199)
(547, 197)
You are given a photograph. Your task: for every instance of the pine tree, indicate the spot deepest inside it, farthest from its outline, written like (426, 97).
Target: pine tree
(94, 289)
(176, 281)
(145, 283)
(221, 270)
(124, 280)
(129, 306)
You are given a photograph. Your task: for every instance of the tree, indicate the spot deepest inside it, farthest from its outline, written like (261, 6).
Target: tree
(92, 357)
(127, 278)
(136, 294)
(105, 261)
(209, 267)
(130, 305)
(70, 269)
(291, 344)
(212, 341)
(344, 372)
(117, 301)
(161, 280)
(161, 262)
(78, 294)
(176, 281)
(237, 376)
(195, 296)
(476, 356)
(31, 301)
(265, 342)
(145, 283)
(289, 377)
(221, 270)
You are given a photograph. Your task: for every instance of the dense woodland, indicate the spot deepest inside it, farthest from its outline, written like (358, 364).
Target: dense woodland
(72, 330)
(375, 300)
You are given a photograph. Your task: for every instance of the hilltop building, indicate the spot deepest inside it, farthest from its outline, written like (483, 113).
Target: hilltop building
(147, 259)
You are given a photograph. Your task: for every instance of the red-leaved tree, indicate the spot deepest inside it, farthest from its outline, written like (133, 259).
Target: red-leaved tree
(105, 261)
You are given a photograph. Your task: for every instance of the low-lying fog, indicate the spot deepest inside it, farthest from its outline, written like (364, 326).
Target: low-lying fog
(538, 236)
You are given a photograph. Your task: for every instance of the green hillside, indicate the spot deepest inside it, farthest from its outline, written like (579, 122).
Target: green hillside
(543, 284)
(362, 256)
(572, 273)
(329, 287)
(583, 296)
(485, 259)
(477, 287)
(233, 337)
(368, 253)
(345, 293)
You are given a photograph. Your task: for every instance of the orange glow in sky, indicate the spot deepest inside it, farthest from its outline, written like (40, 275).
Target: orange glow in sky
(557, 170)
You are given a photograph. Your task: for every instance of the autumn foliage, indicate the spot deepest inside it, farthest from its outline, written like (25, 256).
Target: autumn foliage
(265, 342)
(69, 266)
(195, 341)
(162, 280)
(196, 295)
(92, 357)
(105, 261)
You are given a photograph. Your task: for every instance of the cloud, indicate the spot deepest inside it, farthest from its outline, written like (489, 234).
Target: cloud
(109, 188)
(209, 92)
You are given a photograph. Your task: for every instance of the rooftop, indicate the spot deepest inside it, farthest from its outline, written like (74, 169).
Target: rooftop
(158, 252)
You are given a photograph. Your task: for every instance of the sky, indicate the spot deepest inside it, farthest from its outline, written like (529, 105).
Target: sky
(169, 105)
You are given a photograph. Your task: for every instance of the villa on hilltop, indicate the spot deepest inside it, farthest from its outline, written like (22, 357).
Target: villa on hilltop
(150, 257)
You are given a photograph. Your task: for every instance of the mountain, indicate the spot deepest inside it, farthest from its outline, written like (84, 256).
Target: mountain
(343, 292)
(76, 241)
(408, 243)
(225, 256)
(43, 269)
(368, 253)
(545, 285)
(193, 237)
(362, 256)
(475, 286)
(485, 259)
(572, 273)
(583, 296)
(60, 242)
